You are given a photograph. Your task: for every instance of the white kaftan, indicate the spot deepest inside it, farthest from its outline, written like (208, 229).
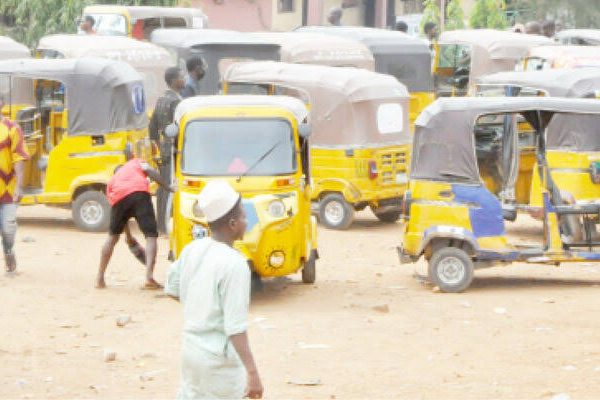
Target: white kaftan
(212, 281)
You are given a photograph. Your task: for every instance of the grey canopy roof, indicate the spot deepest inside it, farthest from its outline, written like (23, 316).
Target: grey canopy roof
(315, 48)
(150, 60)
(396, 53)
(291, 104)
(578, 82)
(444, 142)
(11, 49)
(187, 38)
(589, 37)
(103, 96)
(344, 101)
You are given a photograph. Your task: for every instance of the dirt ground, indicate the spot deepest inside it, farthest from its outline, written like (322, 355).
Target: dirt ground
(366, 329)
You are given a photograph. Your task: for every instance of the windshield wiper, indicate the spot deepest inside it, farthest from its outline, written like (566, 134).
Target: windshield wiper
(257, 162)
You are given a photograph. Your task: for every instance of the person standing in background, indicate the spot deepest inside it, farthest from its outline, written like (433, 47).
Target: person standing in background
(13, 153)
(196, 71)
(335, 16)
(87, 26)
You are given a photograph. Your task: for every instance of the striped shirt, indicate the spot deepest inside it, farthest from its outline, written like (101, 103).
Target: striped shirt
(12, 150)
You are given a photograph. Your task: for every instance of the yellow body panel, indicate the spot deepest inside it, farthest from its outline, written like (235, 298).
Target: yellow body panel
(294, 234)
(347, 172)
(570, 172)
(418, 102)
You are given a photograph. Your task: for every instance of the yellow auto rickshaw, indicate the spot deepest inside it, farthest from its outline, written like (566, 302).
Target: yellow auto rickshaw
(149, 60)
(457, 224)
(360, 146)
(79, 117)
(551, 57)
(138, 22)
(462, 56)
(572, 83)
(405, 57)
(259, 144)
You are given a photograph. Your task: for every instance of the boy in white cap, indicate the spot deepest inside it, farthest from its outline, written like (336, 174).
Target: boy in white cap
(212, 281)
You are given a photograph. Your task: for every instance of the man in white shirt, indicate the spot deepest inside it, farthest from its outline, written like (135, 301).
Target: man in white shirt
(212, 281)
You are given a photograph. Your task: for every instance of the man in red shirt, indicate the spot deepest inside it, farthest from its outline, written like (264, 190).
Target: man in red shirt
(128, 193)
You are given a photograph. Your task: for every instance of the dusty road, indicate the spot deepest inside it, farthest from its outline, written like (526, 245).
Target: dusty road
(520, 332)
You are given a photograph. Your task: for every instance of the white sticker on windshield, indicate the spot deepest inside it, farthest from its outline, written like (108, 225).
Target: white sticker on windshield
(390, 118)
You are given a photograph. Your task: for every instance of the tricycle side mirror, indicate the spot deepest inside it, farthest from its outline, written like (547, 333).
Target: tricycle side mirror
(171, 131)
(304, 130)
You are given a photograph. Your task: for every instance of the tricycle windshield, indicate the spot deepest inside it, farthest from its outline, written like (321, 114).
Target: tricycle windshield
(227, 147)
(110, 24)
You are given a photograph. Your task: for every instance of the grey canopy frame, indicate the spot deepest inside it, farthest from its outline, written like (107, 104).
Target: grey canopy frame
(396, 53)
(582, 37)
(213, 46)
(580, 82)
(344, 101)
(103, 96)
(444, 141)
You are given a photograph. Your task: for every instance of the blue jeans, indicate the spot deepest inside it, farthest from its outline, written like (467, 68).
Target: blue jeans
(8, 226)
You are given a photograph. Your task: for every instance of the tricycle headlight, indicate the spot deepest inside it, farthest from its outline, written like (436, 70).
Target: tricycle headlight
(199, 232)
(277, 259)
(276, 209)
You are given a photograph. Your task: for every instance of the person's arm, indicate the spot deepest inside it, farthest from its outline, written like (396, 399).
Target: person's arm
(19, 167)
(155, 176)
(19, 155)
(153, 128)
(254, 390)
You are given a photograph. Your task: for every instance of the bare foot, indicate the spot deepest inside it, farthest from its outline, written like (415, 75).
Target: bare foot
(152, 285)
(100, 284)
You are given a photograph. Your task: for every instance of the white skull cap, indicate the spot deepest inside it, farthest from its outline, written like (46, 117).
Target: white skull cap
(217, 199)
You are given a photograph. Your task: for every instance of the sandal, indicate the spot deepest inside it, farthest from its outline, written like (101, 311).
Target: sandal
(152, 286)
(138, 251)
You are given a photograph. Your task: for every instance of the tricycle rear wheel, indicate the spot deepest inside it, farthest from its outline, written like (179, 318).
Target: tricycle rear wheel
(91, 211)
(389, 217)
(335, 212)
(451, 269)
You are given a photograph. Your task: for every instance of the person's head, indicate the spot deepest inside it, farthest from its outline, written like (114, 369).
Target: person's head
(533, 28)
(87, 25)
(174, 78)
(402, 26)
(195, 67)
(335, 16)
(430, 30)
(222, 207)
(548, 28)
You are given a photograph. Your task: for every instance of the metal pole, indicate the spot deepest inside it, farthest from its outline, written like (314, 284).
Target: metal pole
(442, 15)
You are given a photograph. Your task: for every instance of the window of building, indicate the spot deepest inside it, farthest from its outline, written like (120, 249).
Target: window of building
(284, 6)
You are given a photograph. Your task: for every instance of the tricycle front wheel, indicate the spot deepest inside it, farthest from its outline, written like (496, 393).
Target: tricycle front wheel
(451, 269)
(309, 271)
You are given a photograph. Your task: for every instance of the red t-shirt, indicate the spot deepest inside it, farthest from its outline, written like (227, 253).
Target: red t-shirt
(130, 178)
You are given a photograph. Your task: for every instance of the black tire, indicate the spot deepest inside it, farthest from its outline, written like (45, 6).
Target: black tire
(389, 217)
(91, 211)
(335, 212)
(451, 269)
(309, 271)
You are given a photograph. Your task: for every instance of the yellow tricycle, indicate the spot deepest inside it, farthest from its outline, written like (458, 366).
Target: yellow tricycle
(259, 144)
(79, 117)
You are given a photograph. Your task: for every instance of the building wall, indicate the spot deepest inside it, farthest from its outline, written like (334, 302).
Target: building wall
(240, 15)
(288, 20)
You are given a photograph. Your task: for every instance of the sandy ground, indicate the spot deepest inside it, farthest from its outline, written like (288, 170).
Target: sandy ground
(520, 332)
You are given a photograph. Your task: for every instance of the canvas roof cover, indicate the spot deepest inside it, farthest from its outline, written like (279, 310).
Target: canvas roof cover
(444, 141)
(345, 102)
(493, 50)
(406, 57)
(568, 56)
(314, 48)
(291, 104)
(11, 49)
(186, 38)
(103, 96)
(589, 37)
(556, 82)
(143, 12)
(150, 60)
